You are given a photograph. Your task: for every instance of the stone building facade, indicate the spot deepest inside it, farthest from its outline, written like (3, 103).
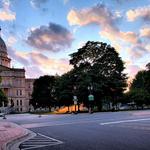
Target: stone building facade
(17, 88)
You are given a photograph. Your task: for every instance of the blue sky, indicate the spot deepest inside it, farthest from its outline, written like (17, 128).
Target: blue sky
(40, 34)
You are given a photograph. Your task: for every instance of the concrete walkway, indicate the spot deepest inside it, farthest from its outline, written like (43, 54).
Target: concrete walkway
(10, 133)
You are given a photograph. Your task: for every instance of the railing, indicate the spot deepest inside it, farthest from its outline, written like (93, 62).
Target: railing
(5, 85)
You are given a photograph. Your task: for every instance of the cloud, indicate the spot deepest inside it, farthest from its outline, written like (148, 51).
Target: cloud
(98, 14)
(116, 35)
(142, 12)
(33, 72)
(5, 13)
(103, 17)
(127, 43)
(50, 65)
(11, 40)
(37, 64)
(5, 4)
(129, 37)
(37, 3)
(66, 1)
(145, 32)
(18, 57)
(53, 38)
(132, 70)
(7, 16)
(137, 51)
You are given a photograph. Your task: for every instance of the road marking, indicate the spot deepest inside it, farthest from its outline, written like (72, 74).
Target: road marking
(35, 125)
(124, 121)
(36, 143)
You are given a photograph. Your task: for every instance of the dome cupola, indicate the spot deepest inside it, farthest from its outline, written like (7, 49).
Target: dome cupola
(4, 60)
(3, 48)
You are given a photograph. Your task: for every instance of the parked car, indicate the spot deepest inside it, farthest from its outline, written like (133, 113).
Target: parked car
(124, 107)
(2, 114)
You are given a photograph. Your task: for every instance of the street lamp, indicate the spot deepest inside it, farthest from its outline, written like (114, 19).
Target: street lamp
(90, 88)
(4, 117)
(38, 110)
(53, 98)
(91, 99)
(75, 99)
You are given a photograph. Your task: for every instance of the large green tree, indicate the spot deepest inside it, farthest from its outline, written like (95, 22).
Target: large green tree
(140, 87)
(99, 65)
(64, 89)
(148, 66)
(43, 92)
(3, 97)
(141, 81)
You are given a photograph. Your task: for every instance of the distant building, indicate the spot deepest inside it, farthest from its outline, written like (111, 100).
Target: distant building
(17, 88)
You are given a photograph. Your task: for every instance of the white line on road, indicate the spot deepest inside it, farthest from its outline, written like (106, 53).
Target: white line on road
(34, 125)
(33, 144)
(124, 121)
(60, 142)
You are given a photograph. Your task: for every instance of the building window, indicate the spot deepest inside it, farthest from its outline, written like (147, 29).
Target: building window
(17, 103)
(20, 92)
(20, 102)
(17, 92)
(20, 109)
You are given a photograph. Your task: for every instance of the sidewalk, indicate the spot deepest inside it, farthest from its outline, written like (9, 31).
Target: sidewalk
(10, 132)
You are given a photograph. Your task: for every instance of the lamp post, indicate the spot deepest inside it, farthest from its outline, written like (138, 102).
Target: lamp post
(75, 99)
(53, 98)
(113, 90)
(11, 105)
(38, 110)
(91, 99)
(4, 117)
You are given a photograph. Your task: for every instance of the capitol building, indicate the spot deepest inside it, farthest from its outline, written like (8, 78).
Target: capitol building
(17, 88)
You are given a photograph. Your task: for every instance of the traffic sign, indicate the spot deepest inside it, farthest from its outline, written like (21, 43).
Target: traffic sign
(91, 97)
(75, 102)
(75, 98)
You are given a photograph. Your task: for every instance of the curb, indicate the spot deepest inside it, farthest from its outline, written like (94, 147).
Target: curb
(13, 144)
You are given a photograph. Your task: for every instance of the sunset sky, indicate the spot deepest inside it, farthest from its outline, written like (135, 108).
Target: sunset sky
(40, 34)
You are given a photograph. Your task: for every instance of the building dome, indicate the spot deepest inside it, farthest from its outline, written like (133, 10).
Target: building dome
(4, 59)
(3, 48)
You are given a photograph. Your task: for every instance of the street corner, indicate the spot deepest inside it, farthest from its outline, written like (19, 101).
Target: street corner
(141, 113)
(11, 134)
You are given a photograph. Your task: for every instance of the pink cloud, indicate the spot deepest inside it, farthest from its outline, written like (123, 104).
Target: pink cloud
(142, 12)
(104, 18)
(52, 38)
(145, 32)
(37, 64)
(5, 13)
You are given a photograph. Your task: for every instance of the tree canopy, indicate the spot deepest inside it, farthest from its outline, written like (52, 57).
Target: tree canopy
(3, 97)
(99, 65)
(140, 88)
(43, 92)
(96, 65)
(141, 80)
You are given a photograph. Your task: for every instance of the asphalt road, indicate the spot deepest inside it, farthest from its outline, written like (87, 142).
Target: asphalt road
(98, 131)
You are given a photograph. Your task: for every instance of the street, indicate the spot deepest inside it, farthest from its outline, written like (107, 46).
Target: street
(129, 130)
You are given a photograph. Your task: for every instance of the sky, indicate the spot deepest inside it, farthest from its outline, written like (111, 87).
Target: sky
(40, 34)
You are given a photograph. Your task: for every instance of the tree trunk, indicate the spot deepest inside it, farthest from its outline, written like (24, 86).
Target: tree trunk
(78, 107)
(50, 108)
(68, 109)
